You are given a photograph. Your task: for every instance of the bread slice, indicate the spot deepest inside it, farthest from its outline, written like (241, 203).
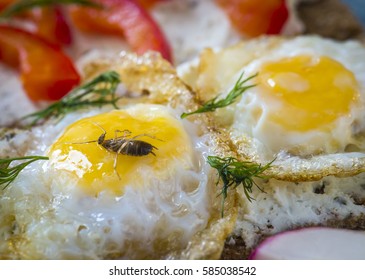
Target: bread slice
(330, 18)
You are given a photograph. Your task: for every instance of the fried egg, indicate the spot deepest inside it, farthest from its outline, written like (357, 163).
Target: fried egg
(306, 109)
(153, 198)
(78, 206)
(304, 102)
(305, 112)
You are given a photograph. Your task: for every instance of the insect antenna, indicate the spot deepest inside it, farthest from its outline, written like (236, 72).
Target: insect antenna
(91, 141)
(86, 142)
(98, 125)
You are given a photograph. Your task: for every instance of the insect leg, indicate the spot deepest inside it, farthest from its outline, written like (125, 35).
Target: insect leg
(125, 132)
(147, 135)
(116, 157)
(115, 165)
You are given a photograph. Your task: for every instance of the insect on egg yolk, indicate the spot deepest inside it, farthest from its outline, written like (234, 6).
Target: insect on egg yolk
(312, 92)
(92, 166)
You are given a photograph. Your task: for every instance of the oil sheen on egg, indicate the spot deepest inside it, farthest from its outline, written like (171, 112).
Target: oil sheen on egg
(84, 203)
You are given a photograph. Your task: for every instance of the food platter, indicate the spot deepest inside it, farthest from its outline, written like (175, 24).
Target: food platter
(199, 151)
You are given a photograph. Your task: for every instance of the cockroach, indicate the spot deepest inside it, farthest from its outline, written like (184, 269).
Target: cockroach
(124, 145)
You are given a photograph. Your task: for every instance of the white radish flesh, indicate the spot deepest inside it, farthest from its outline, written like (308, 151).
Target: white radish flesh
(311, 244)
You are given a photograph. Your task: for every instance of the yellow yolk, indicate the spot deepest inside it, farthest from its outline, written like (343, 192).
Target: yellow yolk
(311, 92)
(92, 165)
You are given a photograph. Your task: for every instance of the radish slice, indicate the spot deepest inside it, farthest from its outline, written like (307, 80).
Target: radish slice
(312, 243)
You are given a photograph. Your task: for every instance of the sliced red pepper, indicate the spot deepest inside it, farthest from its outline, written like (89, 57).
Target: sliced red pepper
(278, 19)
(254, 18)
(147, 4)
(123, 18)
(45, 71)
(51, 24)
(5, 3)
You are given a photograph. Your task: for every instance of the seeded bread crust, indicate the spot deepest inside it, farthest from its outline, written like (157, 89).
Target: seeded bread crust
(330, 18)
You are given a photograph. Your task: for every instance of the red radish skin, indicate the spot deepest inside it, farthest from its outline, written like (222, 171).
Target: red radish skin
(312, 243)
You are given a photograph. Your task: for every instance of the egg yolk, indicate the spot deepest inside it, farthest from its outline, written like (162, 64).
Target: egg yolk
(312, 92)
(91, 164)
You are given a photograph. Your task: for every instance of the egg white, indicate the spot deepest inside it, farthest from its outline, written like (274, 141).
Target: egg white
(45, 215)
(331, 201)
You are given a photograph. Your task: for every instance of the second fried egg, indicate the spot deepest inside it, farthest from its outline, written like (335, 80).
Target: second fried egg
(305, 104)
(306, 109)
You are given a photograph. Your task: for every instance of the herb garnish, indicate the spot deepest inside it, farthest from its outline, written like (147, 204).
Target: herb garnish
(23, 5)
(213, 104)
(234, 173)
(96, 93)
(8, 174)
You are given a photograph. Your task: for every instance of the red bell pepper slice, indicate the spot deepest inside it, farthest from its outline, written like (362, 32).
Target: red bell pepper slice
(278, 18)
(45, 71)
(50, 24)
(123, 18)
(254, 18)
(5, 3)
(147, 4)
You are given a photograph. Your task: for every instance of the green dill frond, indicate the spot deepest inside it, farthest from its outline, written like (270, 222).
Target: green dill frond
(96, 93)
(215, 103)
(234, 173)
(8, 173)
(24, 5)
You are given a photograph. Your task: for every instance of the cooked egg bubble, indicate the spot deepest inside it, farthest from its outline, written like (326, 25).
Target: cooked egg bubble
(86, 203)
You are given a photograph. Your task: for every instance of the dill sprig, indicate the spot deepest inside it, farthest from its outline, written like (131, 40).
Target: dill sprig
(96, 93)
(234, 173)
(8, 174)
(215, 103)
(23, 5)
